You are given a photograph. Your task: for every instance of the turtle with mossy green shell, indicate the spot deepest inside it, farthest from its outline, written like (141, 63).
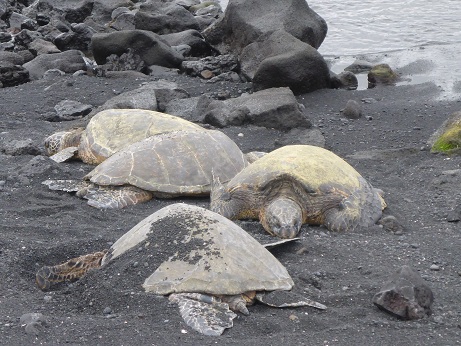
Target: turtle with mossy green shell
(206, 264)
(295, 185)
(109, 131)
(177, 163)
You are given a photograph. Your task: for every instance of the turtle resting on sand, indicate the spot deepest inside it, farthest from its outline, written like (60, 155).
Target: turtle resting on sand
(299, 184)
(178, 163)
(109, 131)
(206, 263)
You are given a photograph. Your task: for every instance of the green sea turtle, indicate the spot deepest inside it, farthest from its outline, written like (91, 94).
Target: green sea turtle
(299, 184)
(109, 131)
(203, 261)
(177, 163)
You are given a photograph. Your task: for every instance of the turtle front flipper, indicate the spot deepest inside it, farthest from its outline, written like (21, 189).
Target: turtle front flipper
(65, 154)
(204, 313)
(71, 270)
(285, 299)
(114, 197)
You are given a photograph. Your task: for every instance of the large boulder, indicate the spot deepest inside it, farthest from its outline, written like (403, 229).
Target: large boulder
(152, 49)
(272, 108)
(11, 75)
(73, 11)
(282, 60)
(198, 46)
(78, 38)
(69, 62)
(245, 21)
(152, 96)
(165, 19)
(102, 9)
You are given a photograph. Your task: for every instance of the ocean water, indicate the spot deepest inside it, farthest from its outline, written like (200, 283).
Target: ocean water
(370, 26)
(422, 37)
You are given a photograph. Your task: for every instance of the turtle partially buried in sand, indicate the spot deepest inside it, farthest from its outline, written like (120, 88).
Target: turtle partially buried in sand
(109, 131)
(178, 163)
(299, 184)
(205, 262)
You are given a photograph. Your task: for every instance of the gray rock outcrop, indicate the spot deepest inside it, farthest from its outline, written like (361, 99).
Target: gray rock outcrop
(245, 21)
(148, 45)
(282, 60)
(69, 62)
(272, 108)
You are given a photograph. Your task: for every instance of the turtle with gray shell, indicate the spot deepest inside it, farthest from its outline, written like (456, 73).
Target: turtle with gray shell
(109, 131)
(205, 263)
(177, 163)
(299, 184)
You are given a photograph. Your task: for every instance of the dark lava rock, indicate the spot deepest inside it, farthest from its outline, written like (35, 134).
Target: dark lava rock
(406, 295)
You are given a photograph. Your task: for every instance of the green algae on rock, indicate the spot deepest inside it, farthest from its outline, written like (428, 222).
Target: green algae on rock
(447, 138)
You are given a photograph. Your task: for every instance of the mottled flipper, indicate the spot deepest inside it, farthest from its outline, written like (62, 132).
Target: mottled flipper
(284, 299)
(103, 197)
(66, 185)
(64, 154)
(114, 197)
(71, 270)
(203, 313)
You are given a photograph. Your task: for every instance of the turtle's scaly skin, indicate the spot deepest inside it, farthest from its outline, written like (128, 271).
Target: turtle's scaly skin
(71, 270)
(113, 129)
(299, 184)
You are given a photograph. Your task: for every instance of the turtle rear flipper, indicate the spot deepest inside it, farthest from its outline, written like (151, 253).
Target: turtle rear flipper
(203, 313)
(65, 154)
(66, 185)
(362, 208)
(71, 270)
(113, 197)
(285, 299)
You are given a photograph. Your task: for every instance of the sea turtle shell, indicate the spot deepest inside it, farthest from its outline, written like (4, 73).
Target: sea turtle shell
(113, 129)
(172, 164)
(204, 252)
(311, 165)
(313, 177)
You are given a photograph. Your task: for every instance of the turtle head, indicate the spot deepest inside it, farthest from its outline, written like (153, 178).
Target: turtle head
(61, 140)
(282, 217)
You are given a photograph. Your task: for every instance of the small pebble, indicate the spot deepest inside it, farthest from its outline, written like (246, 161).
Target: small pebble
(434, 267)
(47, 299)
(107, 311)
(301, 251)
(294, 318)
(240, 134)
